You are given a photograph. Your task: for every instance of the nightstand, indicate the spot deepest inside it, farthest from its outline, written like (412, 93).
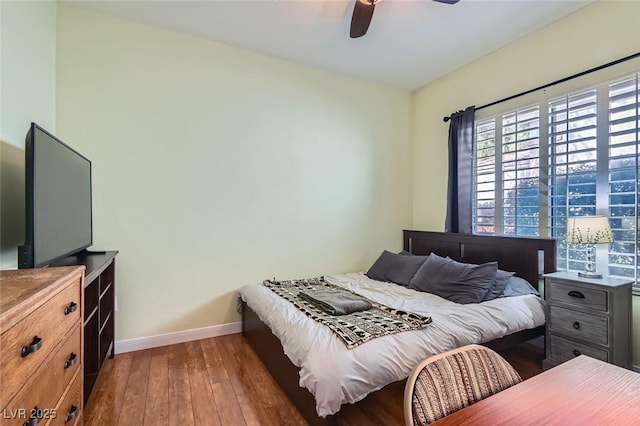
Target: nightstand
(589, 317)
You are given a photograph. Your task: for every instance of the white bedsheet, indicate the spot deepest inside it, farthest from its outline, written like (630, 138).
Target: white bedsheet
(336, 375)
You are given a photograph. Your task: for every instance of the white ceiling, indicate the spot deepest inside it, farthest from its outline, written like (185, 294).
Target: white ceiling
(409, 43)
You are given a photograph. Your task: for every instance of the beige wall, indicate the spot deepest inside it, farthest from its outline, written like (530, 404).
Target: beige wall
(27, 93)
(597, 34)
(215, 167)
(27, 68)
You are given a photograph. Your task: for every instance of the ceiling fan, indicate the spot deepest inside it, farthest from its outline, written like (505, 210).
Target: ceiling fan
(363, 12)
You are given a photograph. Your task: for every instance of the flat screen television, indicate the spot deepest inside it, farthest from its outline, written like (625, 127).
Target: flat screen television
(58, 200)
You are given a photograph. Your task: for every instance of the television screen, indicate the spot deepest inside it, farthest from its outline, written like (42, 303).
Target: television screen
(58, 200)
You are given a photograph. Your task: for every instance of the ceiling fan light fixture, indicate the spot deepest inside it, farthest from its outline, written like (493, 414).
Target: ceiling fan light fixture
(361, 18)
(363, 12)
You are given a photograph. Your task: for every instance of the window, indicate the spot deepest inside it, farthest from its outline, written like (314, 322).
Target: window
(570, 155)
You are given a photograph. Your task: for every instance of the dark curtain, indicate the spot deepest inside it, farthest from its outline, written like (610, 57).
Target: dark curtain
(460, 171)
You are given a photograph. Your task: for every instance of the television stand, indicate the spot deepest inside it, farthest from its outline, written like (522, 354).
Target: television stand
(99, 318)
(90, 252)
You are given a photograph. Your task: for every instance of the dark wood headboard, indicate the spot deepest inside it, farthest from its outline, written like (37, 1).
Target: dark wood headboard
(529, 258)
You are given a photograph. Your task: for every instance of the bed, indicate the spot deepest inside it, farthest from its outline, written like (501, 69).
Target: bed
(528, 257)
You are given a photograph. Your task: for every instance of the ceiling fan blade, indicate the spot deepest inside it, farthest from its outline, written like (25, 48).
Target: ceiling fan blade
(361, 18)
(447, 1)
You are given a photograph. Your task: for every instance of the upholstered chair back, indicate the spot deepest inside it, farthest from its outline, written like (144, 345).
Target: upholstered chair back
(448, 382)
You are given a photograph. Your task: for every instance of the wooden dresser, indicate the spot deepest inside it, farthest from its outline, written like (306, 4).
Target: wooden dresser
(41, 344)
(586, 316)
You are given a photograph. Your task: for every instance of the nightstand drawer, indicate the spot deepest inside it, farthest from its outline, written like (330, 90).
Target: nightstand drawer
(563, 350)
(592, 328)
(577, 296)
(589, 316)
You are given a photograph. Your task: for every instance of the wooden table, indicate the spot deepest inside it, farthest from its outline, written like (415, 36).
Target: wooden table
(582, 391)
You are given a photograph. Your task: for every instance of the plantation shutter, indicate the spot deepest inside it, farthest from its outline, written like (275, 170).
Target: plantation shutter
(572, 168)
(520, 172)
(623, 135)
(484, 203)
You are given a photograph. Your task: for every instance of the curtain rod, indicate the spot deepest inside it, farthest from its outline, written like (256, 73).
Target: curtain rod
(562, 80)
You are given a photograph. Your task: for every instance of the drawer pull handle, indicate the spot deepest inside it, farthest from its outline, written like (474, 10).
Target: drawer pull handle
(576, 294)
(73, 306)
(576, 325)
(36, 416)
(73, 358)
(73, 412)
(33, 347)
(576, 352)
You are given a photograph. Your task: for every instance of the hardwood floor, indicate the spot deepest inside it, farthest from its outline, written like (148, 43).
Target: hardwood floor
(221, 381)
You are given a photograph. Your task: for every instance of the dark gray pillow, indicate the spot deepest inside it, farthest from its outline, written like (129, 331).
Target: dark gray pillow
(517, 286)
(396, 268)
(498, 286)
(459, 282)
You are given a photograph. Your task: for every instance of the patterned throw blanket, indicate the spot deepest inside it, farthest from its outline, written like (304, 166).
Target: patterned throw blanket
(354, 328)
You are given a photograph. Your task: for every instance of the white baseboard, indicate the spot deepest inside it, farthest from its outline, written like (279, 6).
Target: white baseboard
(149, 342)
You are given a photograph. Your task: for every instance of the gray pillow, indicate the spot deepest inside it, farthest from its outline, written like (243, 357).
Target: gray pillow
(395, 268)
(498, 286)
(517, 286)
(459, 282)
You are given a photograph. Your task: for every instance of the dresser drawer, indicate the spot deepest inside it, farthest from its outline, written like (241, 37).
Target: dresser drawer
(43, 330)
(70, 408)
(49, 381)
(564, 349)
(577, 296)
(592, 328)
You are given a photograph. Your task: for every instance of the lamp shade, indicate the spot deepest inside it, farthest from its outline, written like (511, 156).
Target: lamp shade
(589, 230)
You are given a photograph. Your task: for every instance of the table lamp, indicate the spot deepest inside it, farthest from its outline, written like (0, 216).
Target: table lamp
(589, 230)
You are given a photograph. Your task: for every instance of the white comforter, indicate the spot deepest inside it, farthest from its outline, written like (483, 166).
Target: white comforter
(336, 375)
